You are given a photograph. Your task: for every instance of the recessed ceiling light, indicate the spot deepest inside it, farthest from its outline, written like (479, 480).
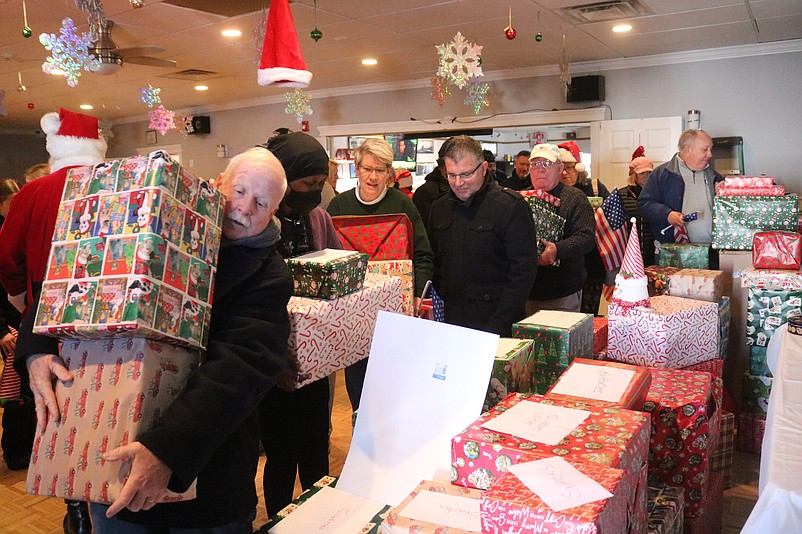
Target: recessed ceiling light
(231, 33)
(86, 106)
(369, 61)
(622, 28)
(57, 72)
(201, 87)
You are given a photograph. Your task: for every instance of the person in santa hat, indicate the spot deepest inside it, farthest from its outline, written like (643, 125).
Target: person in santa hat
(640, 168)
(72, 140)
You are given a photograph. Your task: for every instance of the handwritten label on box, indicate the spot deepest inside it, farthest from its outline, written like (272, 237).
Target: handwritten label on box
(329, 511)
(445, 510)
(559, 484)
(594, 382)
(533, 421)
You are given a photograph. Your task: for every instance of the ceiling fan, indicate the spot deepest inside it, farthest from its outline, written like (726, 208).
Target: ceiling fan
(111, 57)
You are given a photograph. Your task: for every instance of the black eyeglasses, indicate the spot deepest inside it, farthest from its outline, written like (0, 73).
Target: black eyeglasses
(464, 175)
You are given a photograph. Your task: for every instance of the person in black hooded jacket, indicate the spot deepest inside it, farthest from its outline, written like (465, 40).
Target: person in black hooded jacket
(436, 185)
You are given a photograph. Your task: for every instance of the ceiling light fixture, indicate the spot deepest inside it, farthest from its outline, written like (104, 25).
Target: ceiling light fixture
(622, 28)
(201, 87)
(57, 72)
(86, 106)
(231, 33)
(369, 61)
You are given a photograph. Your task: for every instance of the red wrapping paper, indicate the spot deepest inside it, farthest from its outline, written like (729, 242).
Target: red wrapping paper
(632, 398)
(709, 520)
(510, 506)
(716, 369)
(684, 431)
(748, 181)
(599, 334)
(381, 237)
(777, 250)
(751, 428)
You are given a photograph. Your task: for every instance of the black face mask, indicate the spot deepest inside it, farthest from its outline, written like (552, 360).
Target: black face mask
(302, 203)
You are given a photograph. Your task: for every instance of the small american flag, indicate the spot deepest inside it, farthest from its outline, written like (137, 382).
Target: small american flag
(680, 233)
(611, 232)
(438, 306)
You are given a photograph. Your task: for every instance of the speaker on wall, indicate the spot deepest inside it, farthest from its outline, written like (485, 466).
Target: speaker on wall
(201, 125)
(585, 88)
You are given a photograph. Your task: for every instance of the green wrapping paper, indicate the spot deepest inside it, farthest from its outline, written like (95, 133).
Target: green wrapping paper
(767, 310)
(724, 317)
(755, 396)
(328, 274)
(684, 255)
(513, 370)
(737, 219)
(758, 365)
(548, 224)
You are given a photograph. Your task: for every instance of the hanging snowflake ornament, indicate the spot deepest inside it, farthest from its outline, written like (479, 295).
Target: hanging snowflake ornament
(477, 95)
(150, 95)
(162, 120)
(459, 61)
(440, 90)
(96, 16)
(69, 52)
(565, 69)
(183, 124)
(259, 36)
(298, 104)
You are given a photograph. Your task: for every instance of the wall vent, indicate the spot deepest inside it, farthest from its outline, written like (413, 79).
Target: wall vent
(196, 75)
(604, 11)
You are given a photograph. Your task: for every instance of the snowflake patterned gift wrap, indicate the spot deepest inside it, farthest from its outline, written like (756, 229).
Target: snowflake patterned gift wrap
(684, 432)
(327, 335)
(673, 332)
(459, 507)
(592, 381)
(404, 270)
(328, 273)
(684, 255)
(512, 372)
(120, 386)
(510, 506)
(134, 252)
(609, 436)
(736, 219)
(698, 284)
(659, 279)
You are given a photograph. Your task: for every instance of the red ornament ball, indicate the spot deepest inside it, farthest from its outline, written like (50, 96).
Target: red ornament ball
(510, 33)
(30, 105)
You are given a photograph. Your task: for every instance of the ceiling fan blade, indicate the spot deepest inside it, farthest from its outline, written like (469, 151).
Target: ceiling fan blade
(150, 61)
(130, 51)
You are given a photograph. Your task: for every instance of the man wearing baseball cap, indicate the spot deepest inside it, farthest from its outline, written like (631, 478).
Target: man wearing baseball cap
(561, 266)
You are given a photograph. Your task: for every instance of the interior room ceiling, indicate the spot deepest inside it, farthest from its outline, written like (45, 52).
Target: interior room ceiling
(401, 35)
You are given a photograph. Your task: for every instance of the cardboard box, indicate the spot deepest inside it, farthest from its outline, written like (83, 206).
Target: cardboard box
(404, 270)
(399, 521)
(328, 273)
(327, 335)
(632, 397)
(120, 387)
(684, 255)
(756, 391)
(674, 332)
(699, 284)
(749, 431)
(736, 219)
(666, 510)
(512, 372)
(381, 237)
(659, 279)
(134, 251)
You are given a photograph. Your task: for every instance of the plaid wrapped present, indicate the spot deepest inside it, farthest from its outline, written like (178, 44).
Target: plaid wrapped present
(328, 273)
(684, 255)
(777, 250)
(381, 237)
(659, 279)
(721, 461)
(736, 219)
(749, 431)
(666, 510)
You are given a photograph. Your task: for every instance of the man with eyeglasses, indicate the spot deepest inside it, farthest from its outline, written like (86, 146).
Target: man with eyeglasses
(559, 286)
(484, 243)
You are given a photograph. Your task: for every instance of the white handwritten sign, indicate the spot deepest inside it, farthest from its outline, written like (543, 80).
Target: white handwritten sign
(444, 510)
(329, 511)
(532, 421)
(598, 382)
(559, 484)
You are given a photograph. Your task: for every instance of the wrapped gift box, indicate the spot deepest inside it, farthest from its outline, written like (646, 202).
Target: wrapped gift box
(328, 273)
(513, 370)
(399, 521)
(756, 392)
(758, 363)
(748, 181)
(599, 335)
(711, 514)
(548, 224)
(768, 191)
(373, 527)
(558, 337)
(327, 335)
(684, 255)
(716, 370)
(777, 250)
(737, 218)
(749, 431)
(381, 237)
(659, 279)
(593, 378)
(673, 332)
(510, 506)
(134, 250)
(666, 510)
(596, 202)
(120, 386)
(698, 284)
(403, 269)
(684, 431)
(767, 310)
(724, 317)
(721, 461)
(771, 279)
(545, 376)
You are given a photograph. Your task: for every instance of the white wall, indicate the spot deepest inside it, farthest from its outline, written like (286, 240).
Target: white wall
(754, 97)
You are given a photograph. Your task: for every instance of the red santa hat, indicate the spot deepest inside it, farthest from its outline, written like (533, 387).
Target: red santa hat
(72, 139)
(631, 284)
(571, 154)
(282, 63)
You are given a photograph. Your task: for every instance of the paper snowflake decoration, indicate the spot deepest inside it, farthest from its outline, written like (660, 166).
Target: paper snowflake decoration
(565, 70)
(259, 36)
(183, 124)
(69, 52)
(298, 104)
(162, 120)
(459, 61)
(440, 90)
(477, 95)
(150, 95)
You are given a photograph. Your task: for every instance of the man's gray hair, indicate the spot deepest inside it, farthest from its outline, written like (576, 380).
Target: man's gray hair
(687, 138)
(459, 146)
(262, 161)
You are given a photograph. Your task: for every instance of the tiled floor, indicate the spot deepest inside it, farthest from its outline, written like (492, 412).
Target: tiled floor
(21, 513)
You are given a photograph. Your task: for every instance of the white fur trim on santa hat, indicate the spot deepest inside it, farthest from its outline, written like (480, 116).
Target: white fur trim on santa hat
(66, 150)
(284, 77)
